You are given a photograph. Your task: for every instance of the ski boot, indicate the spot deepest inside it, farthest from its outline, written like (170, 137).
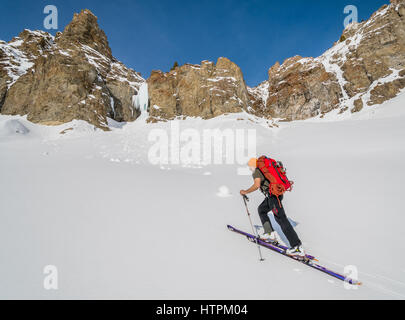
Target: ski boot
(297, 252)
(272, 238)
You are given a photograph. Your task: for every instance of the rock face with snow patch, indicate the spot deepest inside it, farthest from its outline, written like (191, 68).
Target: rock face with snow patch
(71, 76)
(366, 67)
(298, 89)
(207, 90)
(4, 78)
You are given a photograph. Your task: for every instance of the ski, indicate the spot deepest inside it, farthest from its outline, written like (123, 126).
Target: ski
(266, 244)
(309, 261)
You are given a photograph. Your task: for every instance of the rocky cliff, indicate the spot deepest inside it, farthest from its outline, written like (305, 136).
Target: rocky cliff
(366, 67)
(207, 90)
(73, 75)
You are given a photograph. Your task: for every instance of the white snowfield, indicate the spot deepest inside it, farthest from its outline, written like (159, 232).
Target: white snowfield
(115, 226)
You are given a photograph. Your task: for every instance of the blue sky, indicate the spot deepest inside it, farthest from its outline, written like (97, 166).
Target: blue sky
(152, 34)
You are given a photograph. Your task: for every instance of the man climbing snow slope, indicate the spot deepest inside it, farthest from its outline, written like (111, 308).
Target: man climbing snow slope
(269, 176)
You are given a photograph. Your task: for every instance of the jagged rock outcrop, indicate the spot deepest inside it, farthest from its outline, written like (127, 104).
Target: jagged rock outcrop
(84, 30)
(72, 76)
(299, 89)
(366, 67)
(207, 90)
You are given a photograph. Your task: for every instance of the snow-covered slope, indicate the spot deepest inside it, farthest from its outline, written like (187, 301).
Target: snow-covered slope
(116, 226)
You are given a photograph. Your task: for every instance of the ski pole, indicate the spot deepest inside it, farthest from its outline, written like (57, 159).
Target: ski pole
(246, 200)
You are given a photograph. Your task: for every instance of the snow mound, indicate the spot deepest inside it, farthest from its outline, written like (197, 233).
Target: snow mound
(224, 192)
(13, 127)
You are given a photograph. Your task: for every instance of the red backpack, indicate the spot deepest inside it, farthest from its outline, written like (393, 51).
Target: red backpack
(275, 173)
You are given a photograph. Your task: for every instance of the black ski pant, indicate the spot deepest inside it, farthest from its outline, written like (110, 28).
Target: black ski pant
(271, 203)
